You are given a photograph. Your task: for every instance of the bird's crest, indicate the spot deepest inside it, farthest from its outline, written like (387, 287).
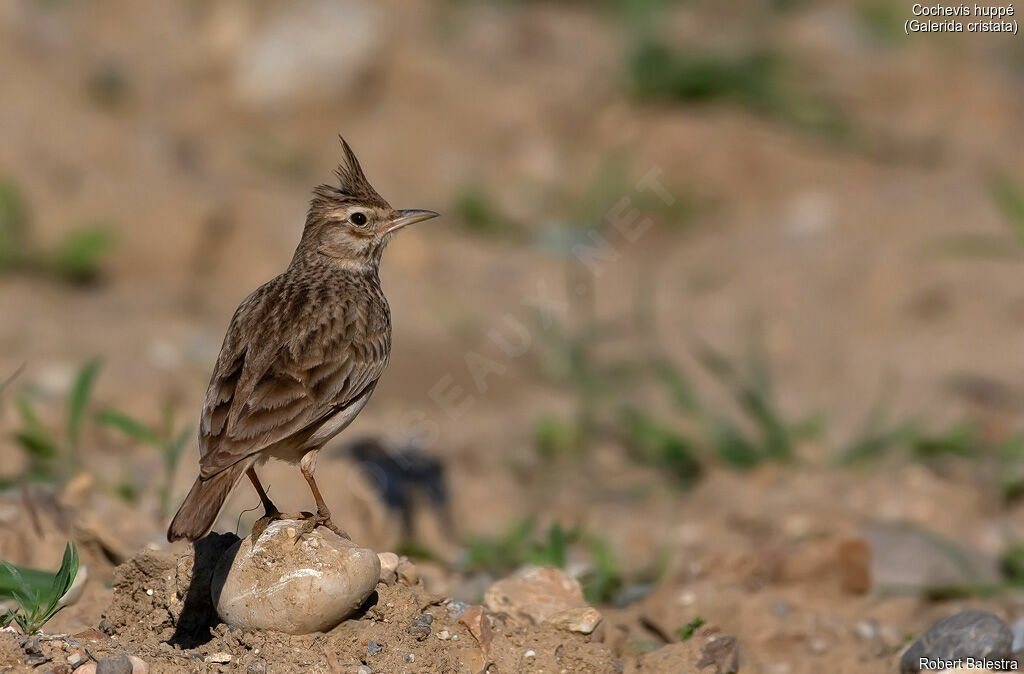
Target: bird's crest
(352, 182)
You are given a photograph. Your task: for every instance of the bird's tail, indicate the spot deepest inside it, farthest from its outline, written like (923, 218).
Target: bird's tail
(197, 514)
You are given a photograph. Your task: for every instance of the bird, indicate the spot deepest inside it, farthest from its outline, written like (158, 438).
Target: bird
(302, 355)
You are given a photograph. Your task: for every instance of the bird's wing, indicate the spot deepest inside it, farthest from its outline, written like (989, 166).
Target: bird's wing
(292, 358)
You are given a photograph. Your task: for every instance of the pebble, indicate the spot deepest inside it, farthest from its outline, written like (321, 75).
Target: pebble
(406, 572)
(114, 665)
(139, 666)
(867, 630)
(479, 625)
(372, 647)
(971, 633)
(583, 620)
(257, 666)
(363, 669)
(444, 635)
(305, 589)
(537, 594)
(219, 658)
(409, 657)
(419, 628)
(530, 653)
(388, 566)
(817, 646)
(457, 608)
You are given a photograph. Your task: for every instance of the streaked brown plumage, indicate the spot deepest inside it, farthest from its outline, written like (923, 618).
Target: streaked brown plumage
(303, 352)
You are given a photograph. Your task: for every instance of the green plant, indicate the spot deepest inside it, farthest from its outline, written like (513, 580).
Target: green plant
(757, 80)
(687, 631)
(38, 600)
(656, 444)
(476, 210)
(170, 443)
(1009, 199)
(523, 545)
(14, 223)
(53, 455)
(77, 258)
(878, 434)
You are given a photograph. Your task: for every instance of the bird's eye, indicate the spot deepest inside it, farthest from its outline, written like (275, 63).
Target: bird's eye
(358, 219)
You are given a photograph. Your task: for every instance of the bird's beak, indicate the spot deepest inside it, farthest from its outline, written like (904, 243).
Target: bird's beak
(409, 217)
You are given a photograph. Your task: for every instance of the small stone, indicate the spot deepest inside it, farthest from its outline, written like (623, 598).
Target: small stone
(428, 618)
(866, 630)
(406, 572)
(409, 657)
(723, 653)
(114, 665)
(583, 620)
(388, 566)
(457, 608)
(455, 637)
(139, 666)
(536, 594)
(444, 635)
(968, 634)
(419, 628)
(479, 625)
(87, 668)
(278, 583)
(75, 658)
(530, 653)
(816, 646)
(363, 669)
(372, 647)
(257, 666)
(219, 658)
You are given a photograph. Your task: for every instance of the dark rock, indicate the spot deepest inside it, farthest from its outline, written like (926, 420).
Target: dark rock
(372, 647)
(968, 634)
(114, 665)
(420, 628)
(723, 653)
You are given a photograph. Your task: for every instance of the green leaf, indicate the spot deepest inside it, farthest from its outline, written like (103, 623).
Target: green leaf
(1010, 200)
(80, 255)
(81, 392)
(134, 429)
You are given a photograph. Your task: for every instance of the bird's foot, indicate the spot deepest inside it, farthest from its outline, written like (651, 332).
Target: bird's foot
(321, 519)
(260, 525)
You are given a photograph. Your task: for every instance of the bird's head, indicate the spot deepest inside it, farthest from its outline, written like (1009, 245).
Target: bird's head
(350, 224)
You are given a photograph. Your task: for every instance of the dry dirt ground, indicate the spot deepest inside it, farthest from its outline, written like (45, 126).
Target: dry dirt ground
(836, 248)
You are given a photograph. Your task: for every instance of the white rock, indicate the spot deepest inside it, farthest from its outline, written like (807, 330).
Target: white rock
(298, 587)
(388, 565)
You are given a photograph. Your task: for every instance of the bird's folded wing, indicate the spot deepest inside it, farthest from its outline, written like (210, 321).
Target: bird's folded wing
(280, 373)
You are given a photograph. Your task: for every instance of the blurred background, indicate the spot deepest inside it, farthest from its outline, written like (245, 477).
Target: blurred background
(721, 293)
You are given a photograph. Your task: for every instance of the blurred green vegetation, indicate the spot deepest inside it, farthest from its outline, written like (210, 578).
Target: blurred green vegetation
(1008, 198)
(522, 544)
(77, 258)
(53, 453)
(167, 439)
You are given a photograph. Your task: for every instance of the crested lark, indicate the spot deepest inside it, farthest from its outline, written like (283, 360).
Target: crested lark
(303, 352)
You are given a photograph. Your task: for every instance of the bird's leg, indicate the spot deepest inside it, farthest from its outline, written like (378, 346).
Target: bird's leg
(272, 514)
(323, 515)
(270, 510)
